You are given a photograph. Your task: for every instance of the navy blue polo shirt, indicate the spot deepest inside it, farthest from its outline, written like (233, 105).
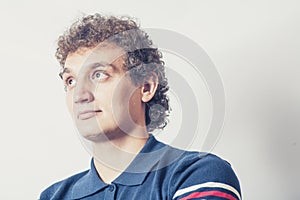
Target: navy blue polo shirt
(159, 171)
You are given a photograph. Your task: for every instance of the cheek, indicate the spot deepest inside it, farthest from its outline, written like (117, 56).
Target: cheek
(129, 100)
(135, 103)
(111, 94)
(103, 95)
(122, 94)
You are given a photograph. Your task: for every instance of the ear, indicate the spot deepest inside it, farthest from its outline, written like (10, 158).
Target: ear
(149, 87)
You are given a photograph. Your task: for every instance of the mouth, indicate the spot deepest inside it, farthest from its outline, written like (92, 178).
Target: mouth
(88, 114)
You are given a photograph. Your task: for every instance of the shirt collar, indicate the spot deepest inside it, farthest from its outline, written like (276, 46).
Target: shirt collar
(88, 184)
(145, 162)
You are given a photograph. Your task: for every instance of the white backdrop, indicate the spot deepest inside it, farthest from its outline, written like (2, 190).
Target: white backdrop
(254, 44)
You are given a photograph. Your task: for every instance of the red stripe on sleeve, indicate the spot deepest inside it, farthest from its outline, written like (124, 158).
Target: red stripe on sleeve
(209, 193)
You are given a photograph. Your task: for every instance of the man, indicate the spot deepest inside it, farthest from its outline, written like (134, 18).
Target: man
(116, 93)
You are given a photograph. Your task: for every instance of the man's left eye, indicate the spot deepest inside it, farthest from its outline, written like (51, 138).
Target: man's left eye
(99, 75)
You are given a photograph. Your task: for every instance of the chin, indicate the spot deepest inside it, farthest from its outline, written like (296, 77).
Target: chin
(89, 132)
(94, 137)
(95, 134)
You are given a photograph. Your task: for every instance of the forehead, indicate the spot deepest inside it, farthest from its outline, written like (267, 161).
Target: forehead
(102, 53)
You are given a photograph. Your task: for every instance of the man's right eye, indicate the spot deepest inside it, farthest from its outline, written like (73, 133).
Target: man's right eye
(70, 82)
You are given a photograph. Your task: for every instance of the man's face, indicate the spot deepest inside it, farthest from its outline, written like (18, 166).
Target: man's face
(100, 95)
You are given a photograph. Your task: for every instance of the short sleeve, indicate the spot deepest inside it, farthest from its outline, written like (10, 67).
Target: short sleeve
(204, 177)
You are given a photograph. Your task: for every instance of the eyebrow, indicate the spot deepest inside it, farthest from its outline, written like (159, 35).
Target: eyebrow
(64, 71)
(92, 66)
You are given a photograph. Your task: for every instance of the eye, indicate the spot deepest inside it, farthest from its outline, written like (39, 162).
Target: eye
(69, 83)
(99, 75)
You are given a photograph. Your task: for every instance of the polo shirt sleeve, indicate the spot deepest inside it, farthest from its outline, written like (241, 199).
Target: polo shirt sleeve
(208, 177)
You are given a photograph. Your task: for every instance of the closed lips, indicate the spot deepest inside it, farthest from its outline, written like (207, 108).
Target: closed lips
(88, 114)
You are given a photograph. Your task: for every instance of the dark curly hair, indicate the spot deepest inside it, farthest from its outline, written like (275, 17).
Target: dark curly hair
(141, 59)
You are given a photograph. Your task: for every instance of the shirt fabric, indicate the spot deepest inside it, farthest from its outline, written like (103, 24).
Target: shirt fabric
(158, 172)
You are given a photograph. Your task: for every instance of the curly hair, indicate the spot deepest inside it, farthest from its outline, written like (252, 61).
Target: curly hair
(141, 59)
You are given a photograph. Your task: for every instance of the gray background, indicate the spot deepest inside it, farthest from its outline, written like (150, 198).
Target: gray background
(254, 45)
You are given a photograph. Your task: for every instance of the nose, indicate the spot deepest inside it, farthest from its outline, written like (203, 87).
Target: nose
(83, 94)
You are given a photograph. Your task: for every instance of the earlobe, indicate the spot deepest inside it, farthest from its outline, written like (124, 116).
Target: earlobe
(149, 88)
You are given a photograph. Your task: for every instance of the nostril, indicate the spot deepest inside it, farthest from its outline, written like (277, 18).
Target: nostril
(83, 97)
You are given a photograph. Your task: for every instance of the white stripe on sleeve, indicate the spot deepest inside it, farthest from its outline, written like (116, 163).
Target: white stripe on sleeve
(207, 184)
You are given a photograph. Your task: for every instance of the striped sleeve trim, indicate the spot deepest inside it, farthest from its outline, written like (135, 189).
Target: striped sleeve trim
(208, 185)
(209, 193)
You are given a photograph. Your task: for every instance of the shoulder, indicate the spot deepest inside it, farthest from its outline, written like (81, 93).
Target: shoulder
(211, 165)
(199, 174)
(61, 189)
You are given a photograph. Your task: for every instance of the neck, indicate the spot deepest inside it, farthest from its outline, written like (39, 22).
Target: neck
(112, 155)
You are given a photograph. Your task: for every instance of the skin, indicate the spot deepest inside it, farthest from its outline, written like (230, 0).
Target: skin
(107, 108)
